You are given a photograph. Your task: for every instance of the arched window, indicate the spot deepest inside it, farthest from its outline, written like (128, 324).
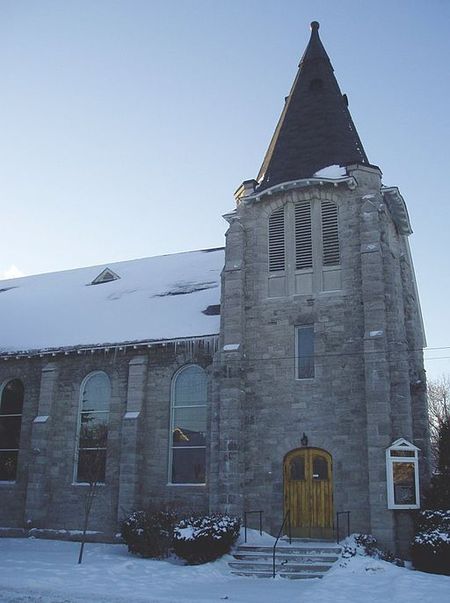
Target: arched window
(11, 404)
(188, 426)
(92, 437)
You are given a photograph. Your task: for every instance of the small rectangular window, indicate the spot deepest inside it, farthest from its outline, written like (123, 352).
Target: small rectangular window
(402, 453)
(305, 352)
(297, 469)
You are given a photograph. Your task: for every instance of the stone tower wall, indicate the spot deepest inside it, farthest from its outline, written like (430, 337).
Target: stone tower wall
(360, 399)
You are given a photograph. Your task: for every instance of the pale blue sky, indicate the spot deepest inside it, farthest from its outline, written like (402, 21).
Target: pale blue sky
(126, 126)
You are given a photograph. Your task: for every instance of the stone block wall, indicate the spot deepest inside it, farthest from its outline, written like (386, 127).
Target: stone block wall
(360, 398)
(44, 494)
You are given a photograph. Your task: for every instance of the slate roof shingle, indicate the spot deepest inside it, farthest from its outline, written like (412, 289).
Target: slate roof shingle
(315, 129)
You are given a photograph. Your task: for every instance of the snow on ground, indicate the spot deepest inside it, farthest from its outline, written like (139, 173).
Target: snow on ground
(46, 571)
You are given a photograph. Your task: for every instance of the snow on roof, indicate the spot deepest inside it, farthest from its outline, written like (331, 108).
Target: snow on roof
(331, 171)
(160, 298)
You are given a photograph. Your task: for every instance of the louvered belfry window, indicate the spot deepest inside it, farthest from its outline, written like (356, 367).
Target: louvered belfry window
(303, 236)
(277, 255)
(330, 234)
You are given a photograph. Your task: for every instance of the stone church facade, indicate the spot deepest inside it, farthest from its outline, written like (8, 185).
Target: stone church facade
(307, 398)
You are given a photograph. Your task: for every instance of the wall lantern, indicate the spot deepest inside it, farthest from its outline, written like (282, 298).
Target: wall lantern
(304, 440)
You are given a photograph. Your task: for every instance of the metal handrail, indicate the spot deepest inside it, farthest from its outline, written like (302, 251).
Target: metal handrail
(288, 518)
(245, 522)
(337, 524)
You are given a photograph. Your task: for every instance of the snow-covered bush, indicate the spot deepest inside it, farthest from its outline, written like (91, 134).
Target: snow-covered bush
(204, 538)
(430, 549)
(149, 533)
(366, 544)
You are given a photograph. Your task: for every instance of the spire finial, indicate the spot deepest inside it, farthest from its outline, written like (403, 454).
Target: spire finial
(315, 25)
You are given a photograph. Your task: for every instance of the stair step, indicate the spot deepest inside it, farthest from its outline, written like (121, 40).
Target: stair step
(281, 567)
(303, 559)
(286, 555)
(266, 574)
(307, 549)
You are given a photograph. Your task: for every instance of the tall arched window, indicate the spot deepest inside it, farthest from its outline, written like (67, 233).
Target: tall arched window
(92, 437)
(188, 426)
(11, 404)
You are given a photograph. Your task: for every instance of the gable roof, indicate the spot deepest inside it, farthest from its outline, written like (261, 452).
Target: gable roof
(154, 299)
(315, 128)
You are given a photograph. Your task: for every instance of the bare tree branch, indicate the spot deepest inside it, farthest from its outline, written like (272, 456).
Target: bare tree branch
(438, 392)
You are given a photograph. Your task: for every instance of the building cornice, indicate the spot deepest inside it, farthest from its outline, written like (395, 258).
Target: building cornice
(397, 207)
(112, 348)
(302, 183)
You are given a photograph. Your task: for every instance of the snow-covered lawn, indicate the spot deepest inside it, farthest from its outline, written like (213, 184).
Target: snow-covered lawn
(46, 571)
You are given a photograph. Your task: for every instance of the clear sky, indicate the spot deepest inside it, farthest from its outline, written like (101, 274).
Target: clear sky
(126, 125)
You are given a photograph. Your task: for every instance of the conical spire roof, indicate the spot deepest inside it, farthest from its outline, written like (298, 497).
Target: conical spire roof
(315, 129)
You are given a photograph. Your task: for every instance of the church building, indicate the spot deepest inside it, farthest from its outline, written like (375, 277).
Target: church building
(282, 374)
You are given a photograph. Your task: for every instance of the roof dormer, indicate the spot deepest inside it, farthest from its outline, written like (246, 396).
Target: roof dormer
(106, 276)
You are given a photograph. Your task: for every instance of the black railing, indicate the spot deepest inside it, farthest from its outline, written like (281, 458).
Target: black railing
(287, 518)
(245, 522)
(337, 524)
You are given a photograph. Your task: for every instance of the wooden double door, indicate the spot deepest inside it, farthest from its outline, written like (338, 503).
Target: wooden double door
(308, 492)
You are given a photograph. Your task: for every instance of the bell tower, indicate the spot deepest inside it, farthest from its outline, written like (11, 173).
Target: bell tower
(321, 331)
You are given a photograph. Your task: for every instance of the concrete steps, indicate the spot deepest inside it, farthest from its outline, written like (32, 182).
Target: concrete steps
(300, 560)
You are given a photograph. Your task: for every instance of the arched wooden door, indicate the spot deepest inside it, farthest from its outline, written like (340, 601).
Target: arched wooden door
(308, 492)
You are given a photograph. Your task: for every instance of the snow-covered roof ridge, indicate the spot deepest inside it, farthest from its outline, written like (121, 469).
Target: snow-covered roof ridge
(160, 298)
(105, 265)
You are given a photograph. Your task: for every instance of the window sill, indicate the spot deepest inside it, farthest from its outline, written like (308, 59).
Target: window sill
(100, 484)
(403, 507)
(331, 292)
(186, 485)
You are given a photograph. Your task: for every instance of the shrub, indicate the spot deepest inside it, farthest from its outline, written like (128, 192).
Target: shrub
(149, 533)
(366, 544)
(204, 538)
(430, 549)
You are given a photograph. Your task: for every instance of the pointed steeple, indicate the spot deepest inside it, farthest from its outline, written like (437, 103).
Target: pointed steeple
(315, 129)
